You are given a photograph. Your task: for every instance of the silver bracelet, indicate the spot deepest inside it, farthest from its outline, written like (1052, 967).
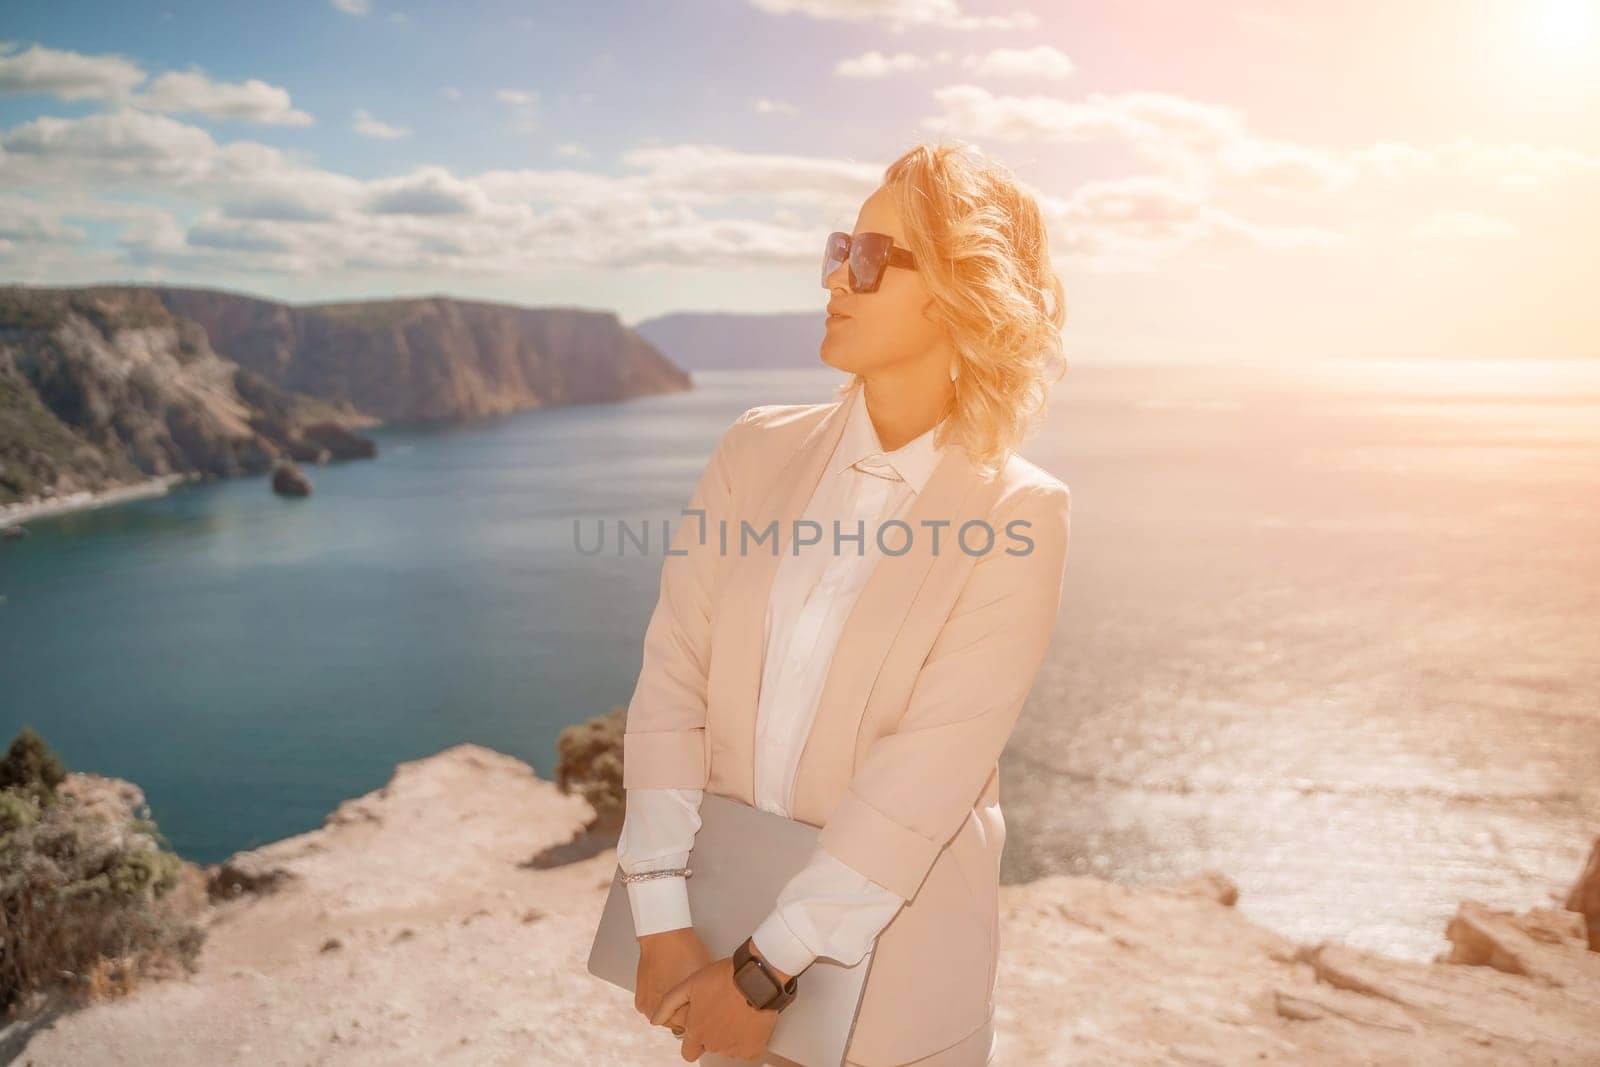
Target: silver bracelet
(670, 872)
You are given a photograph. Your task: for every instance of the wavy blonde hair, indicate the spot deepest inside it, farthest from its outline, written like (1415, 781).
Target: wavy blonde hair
(982, 249)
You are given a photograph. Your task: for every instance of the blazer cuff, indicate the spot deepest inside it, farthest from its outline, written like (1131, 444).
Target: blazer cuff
(664, 759)
(659, 904)
(875, 845)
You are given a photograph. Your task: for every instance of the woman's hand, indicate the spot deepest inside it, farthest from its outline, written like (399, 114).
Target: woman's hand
(719, 1018)
(665, 959)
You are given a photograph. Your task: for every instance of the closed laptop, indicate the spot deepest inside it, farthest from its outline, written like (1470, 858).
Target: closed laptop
(742, 858)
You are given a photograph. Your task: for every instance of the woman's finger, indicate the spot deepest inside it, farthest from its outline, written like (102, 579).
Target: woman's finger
(671, 1001)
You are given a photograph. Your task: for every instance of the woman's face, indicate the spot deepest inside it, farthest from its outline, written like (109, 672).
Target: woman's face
(887, 328)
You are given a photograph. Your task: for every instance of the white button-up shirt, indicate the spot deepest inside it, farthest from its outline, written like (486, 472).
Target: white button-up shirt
(827, 908)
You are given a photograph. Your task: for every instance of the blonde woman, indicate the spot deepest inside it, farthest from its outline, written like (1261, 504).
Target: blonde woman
(862, 671)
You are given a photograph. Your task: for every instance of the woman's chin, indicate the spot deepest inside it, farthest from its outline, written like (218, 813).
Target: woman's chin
(835, 355)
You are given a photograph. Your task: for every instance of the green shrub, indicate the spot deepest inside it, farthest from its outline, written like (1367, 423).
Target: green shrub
(30, 767)
(589, 762)
(86, 888)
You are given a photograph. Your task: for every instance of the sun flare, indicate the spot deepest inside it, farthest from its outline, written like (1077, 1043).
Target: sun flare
(1565, 27)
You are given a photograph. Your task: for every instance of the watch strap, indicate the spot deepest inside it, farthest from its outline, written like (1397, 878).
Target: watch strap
(745, 960)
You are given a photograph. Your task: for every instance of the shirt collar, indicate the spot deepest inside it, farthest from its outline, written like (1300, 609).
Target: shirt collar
(914, 461)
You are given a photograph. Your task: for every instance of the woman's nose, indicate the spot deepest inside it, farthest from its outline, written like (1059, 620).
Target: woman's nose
(839, 277)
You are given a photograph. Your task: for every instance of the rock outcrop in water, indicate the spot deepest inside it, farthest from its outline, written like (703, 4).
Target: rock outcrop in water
(290, 480)
(420, 922)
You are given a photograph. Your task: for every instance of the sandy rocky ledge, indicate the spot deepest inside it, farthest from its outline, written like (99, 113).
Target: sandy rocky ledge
(416, 927)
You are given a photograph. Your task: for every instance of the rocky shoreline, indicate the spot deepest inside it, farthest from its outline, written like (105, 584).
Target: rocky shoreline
(447, 917)
(19, 512)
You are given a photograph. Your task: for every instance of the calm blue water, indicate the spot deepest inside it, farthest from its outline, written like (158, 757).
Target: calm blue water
(251, 660)
(1330, 629)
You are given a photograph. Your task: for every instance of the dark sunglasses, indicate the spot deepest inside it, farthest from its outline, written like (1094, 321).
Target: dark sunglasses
(868, 255)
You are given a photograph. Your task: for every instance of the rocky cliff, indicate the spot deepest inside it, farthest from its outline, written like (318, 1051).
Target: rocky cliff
(432, 357)
(448, 916)
(109, 385)
(105, 386)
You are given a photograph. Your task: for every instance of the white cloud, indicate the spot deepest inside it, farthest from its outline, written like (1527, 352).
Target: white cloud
(899, 14)
(26, 221)
(1515, 166)
(76, 76)
(450, 92)
(352, 7)
(1202, 142)
(1448, 224)
(277, 217)
(1139, 222)
(711, 174)
(108, 147)
(272, 197)
(975, 111)
(1042, 61)
(764, 106)
(193, 92)
(236, 235)
(68, 75)
(1212, 144)
(428, 191)
(876, 64)
(367, 126)
(242, 207)
(524, 106)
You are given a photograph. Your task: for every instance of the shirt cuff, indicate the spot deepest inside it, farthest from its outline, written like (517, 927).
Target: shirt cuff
(659, 904)
(779, 945)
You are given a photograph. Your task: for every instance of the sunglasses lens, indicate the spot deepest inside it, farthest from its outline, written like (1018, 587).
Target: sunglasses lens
(868, 253)
(834, 254)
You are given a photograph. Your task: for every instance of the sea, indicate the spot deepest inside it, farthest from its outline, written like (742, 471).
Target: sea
(1331, 628)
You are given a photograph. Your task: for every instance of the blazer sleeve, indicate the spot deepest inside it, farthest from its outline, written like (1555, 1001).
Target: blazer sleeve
(915, 786)
(663, 742)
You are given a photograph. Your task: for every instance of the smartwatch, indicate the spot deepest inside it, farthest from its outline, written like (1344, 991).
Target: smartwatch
(759, 985)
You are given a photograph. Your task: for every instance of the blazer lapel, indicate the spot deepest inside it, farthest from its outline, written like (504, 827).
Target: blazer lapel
(827, 762)
(739, 632)
(827, 759)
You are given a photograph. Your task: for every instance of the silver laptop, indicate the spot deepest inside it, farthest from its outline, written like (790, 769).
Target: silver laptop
(742, 858)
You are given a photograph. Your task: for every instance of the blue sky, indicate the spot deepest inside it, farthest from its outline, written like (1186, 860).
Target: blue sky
(1222, 179)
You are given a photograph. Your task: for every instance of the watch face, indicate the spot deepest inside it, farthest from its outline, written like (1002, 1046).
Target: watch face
(758, 985)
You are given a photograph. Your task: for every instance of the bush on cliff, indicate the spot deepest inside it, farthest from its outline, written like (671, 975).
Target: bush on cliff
(85, 883)
(589, 762)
